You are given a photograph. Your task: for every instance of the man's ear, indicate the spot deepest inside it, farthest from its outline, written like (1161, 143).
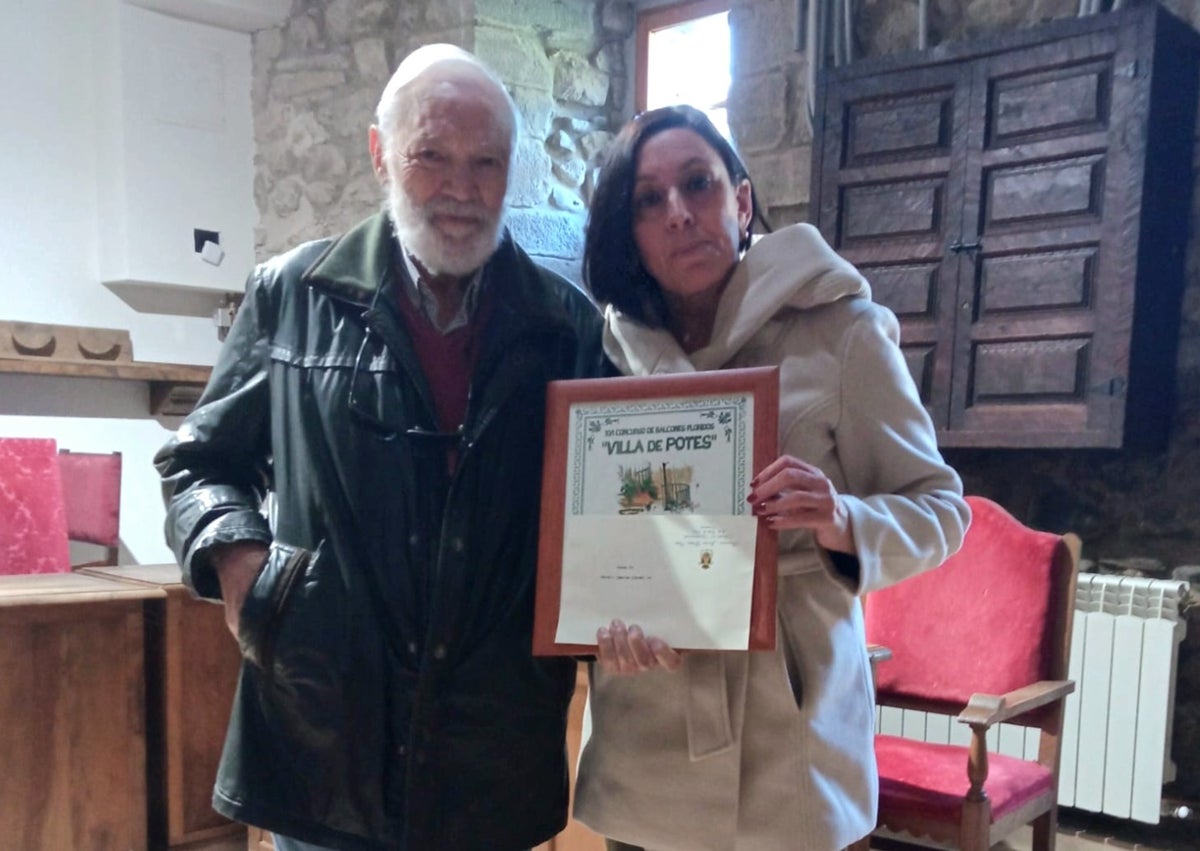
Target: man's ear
(376, 146)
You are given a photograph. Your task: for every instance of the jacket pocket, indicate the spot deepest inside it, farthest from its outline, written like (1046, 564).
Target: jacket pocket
(263, 609)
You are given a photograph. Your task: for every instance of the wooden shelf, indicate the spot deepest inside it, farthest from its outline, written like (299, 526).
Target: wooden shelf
(174, 387)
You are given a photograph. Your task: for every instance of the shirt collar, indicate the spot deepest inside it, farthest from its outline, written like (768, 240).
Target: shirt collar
(420, 294)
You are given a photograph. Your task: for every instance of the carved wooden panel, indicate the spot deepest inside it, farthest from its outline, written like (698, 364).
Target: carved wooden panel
(913, 124)
(1041, 289)
(1037, 280)
(889, 190)
(1017, 194)
(72, 351)
(1070, 100)
(64, 342)
(1011, 200)
(911, 291)
(1029, 371)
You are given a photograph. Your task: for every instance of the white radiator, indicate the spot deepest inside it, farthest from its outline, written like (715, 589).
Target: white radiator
(1117, 724)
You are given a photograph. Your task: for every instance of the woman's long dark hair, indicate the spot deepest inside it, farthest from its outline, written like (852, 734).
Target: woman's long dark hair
(612, 268)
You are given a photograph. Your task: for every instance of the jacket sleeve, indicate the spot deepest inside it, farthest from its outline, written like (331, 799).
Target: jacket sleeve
(216, 467)
(905, 502)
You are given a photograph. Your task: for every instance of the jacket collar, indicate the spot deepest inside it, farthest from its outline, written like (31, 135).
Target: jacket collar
(357, 264)
(790, 269)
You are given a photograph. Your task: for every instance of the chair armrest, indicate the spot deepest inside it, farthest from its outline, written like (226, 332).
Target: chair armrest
(985, 710)
(878, 653)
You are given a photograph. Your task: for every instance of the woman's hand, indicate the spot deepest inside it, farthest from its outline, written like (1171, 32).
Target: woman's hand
(622, 650)
(793, 494)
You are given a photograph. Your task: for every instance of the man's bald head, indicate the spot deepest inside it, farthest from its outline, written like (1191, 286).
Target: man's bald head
(434, 65)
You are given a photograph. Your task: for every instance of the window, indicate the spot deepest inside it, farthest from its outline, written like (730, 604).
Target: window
(683, 57)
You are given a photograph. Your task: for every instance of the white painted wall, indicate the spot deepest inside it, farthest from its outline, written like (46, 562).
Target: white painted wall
(58, 62)
(180, 155)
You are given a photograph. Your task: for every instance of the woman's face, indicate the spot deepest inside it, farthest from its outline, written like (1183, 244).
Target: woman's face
(687, 216)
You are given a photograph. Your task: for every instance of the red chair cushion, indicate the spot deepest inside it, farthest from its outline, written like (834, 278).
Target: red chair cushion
(33, 524)
(978, 623)
(931, 779)
(92, 490)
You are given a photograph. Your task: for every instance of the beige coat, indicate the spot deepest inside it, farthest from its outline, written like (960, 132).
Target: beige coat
(772, 751)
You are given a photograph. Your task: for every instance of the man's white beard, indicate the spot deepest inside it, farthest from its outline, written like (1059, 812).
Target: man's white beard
(438, 253)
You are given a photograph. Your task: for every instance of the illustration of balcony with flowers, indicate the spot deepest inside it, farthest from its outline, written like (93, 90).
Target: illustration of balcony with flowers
(643, 489)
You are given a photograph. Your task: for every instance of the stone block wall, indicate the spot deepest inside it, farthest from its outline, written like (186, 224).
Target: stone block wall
(767, 105)
(318, 76)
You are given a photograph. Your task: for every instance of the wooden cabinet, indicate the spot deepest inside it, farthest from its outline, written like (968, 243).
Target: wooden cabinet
(72, 718)
(191, 672)
(1022, 203)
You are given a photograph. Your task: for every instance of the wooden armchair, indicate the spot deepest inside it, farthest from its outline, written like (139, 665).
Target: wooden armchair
(91, 484)
(984, 637)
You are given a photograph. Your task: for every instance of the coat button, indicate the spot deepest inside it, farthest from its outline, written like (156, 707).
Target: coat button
(457, 545)
(439, 652)
(412, 648)
(413, 539)
(402, 750)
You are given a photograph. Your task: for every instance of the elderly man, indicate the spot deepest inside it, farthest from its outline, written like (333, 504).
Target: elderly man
(388, 388)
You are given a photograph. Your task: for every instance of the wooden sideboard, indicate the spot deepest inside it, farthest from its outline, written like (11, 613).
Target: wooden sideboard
(115, 689)
(191, 673)
(72, 717)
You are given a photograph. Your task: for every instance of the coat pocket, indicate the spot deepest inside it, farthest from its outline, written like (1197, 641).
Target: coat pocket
(264, 606)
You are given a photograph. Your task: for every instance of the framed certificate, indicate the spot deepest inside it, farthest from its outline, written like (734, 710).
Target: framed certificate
(644, 514)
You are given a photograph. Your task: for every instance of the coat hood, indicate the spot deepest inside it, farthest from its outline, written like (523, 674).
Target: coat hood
(790, 269)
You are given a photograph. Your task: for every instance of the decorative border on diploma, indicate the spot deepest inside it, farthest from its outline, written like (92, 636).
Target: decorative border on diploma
(577, 413)
(729, 417)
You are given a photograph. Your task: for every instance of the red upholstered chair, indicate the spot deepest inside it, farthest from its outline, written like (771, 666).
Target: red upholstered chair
(92, 492)
(33, 525)
(984, 637)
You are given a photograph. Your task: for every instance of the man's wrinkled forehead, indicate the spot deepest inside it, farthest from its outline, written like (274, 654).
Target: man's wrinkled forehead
(428, 66)
(424, 58)
(438, 70)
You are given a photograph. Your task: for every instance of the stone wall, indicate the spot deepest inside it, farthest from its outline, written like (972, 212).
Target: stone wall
(318, 77)
(767, 111)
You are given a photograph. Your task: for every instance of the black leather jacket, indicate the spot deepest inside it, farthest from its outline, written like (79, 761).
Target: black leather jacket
(388, 697)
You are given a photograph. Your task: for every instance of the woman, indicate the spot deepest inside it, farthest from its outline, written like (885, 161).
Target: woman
(771, 750)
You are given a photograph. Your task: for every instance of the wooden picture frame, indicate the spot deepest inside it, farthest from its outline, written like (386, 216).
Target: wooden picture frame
(726, 418)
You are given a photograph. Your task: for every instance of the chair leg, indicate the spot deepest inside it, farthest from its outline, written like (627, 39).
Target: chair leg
(975, 829)
(1045, 830)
